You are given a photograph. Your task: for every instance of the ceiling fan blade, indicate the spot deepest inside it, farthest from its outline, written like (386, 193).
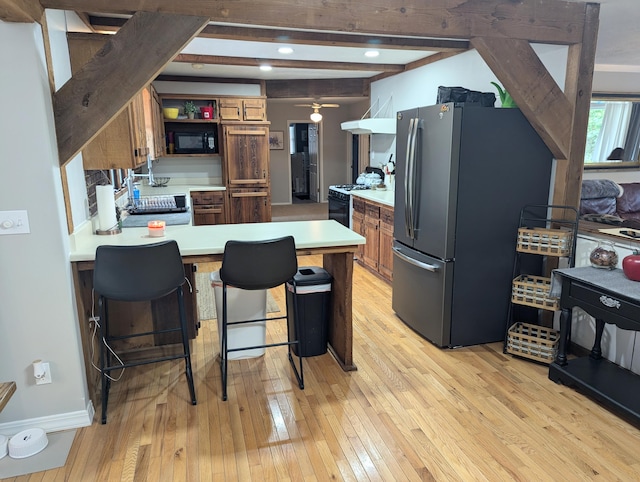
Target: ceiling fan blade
(303, 105)
(330, 105)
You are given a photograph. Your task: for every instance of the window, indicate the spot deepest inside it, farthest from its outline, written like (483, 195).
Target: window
(613, 132)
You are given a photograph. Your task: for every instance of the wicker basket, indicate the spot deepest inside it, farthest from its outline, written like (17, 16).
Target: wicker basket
(551, 242)
(534, 342)
(533, 291)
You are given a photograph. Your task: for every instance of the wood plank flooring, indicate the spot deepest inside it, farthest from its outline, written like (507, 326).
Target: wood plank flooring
(410, 412)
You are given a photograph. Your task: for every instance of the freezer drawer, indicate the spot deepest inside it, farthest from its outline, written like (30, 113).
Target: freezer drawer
(422, 293)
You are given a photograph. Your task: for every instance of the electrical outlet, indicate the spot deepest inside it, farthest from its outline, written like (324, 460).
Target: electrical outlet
(14, 222)
(46, 378)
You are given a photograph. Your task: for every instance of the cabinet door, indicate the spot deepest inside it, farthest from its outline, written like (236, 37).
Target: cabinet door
(157, 124)
(357, 222)
(254, 110)
(249, 206)
(230, 109)
(208, 207)
(246, 155)
(385, 261)
(122, 143)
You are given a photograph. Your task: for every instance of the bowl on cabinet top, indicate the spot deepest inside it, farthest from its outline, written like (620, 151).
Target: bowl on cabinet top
(170, 112)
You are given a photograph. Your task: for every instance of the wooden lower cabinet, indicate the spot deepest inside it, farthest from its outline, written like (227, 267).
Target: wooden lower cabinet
(249, 205)
(374, 221)
(208, 207)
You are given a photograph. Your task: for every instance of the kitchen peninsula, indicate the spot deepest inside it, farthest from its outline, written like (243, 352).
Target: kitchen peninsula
(200, 244)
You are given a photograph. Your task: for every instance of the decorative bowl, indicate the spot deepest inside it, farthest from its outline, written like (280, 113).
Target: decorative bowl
(604, 256)
(170, 112)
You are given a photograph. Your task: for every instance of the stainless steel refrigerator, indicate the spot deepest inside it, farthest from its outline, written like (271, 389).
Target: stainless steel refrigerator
(462, 175)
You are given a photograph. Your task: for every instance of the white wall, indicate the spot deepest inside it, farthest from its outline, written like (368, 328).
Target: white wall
(334, 146)
(419, 87)
(37, 313)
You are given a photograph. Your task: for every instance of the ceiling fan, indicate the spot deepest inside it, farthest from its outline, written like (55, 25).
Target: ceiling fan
(316, 116)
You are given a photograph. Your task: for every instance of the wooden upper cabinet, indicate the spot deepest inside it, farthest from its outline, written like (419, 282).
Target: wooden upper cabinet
(243, 109)
(246, 149)
(254, 110)
(122, 144)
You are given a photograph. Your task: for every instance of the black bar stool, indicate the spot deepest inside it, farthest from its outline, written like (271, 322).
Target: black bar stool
(259, 265)
(138, 273)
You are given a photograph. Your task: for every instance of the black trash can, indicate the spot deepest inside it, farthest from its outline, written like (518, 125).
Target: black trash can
(314, 304)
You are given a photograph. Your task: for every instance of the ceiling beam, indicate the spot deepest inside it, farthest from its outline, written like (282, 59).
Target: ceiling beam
(105, 85)
(298, 37)
(317, 89)
(578, 89)
(525, 77)
(548, 21)
(25, 11)
(287, 64)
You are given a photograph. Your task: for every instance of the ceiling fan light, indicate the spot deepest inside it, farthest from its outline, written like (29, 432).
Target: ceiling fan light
(316, 116)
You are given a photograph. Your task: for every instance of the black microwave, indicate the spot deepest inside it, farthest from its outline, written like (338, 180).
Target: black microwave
(195, 142)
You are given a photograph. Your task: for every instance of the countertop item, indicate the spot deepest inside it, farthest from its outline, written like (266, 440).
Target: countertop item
(197, 240)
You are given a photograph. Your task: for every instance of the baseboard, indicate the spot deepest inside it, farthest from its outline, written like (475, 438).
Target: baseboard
(52, 423)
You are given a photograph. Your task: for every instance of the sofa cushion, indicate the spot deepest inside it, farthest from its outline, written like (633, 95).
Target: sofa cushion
(628, 205)
(603, 205)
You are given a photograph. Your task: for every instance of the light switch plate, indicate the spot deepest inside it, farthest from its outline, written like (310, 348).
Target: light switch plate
(14, 222)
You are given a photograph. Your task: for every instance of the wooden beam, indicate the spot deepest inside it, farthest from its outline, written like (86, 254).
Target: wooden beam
(25, 11)
(578, 89)
(128, 62)
(538, 96)
(315, 89)
(206, 79)
(297, 37)
(287, 64)
(550, 21)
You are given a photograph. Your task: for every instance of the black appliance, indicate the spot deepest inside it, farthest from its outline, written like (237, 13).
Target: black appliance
(462, 176)
(195, 142)
(339, 200)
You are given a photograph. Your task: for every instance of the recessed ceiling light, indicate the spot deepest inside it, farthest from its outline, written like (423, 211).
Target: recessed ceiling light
(371, 53)
(197, 66)
(265, 68)
(285, 50)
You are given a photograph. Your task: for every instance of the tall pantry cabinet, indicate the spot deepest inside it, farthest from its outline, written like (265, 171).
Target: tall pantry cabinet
(246, 172)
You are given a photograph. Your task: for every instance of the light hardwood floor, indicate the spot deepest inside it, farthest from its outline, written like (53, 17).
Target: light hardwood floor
(410, 412)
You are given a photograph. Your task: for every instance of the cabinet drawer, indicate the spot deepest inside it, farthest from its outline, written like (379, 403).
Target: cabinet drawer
(372, 211)
(386, 216)
(358, 205)
(207, 197)
(627, 314)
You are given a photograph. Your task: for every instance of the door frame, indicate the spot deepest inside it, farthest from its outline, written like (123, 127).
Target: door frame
(320, 163)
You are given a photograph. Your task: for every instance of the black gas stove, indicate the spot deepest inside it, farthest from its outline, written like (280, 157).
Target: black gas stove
(351, 187)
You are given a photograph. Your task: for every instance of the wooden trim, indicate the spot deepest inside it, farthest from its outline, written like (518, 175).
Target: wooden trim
(287, 64)
(549, 21)
(578, 89)
(26, 11)
(7, 389)
(65, 194)
(106, 84)
(316, 88)
(297, 37)
(47, 54)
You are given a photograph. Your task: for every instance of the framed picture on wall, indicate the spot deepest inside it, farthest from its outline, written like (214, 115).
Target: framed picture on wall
(276, 140)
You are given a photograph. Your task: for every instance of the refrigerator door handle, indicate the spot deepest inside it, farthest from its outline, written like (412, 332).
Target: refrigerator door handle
(409, 192)
(419, 264)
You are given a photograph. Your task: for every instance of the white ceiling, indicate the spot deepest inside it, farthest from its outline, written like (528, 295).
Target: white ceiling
(618, 50)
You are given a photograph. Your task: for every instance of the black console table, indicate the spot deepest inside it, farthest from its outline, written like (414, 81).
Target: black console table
(609, 297)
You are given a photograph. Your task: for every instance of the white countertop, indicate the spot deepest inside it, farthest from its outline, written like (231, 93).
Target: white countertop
(202, 240)
(383, 197)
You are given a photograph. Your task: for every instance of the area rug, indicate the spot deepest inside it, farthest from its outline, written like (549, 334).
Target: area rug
(206, 299)
(53, 456)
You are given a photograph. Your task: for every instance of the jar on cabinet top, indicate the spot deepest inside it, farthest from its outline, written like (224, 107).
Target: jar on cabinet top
(604, 256)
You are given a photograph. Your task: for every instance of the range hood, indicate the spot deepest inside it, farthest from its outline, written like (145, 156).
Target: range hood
(381, 125)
